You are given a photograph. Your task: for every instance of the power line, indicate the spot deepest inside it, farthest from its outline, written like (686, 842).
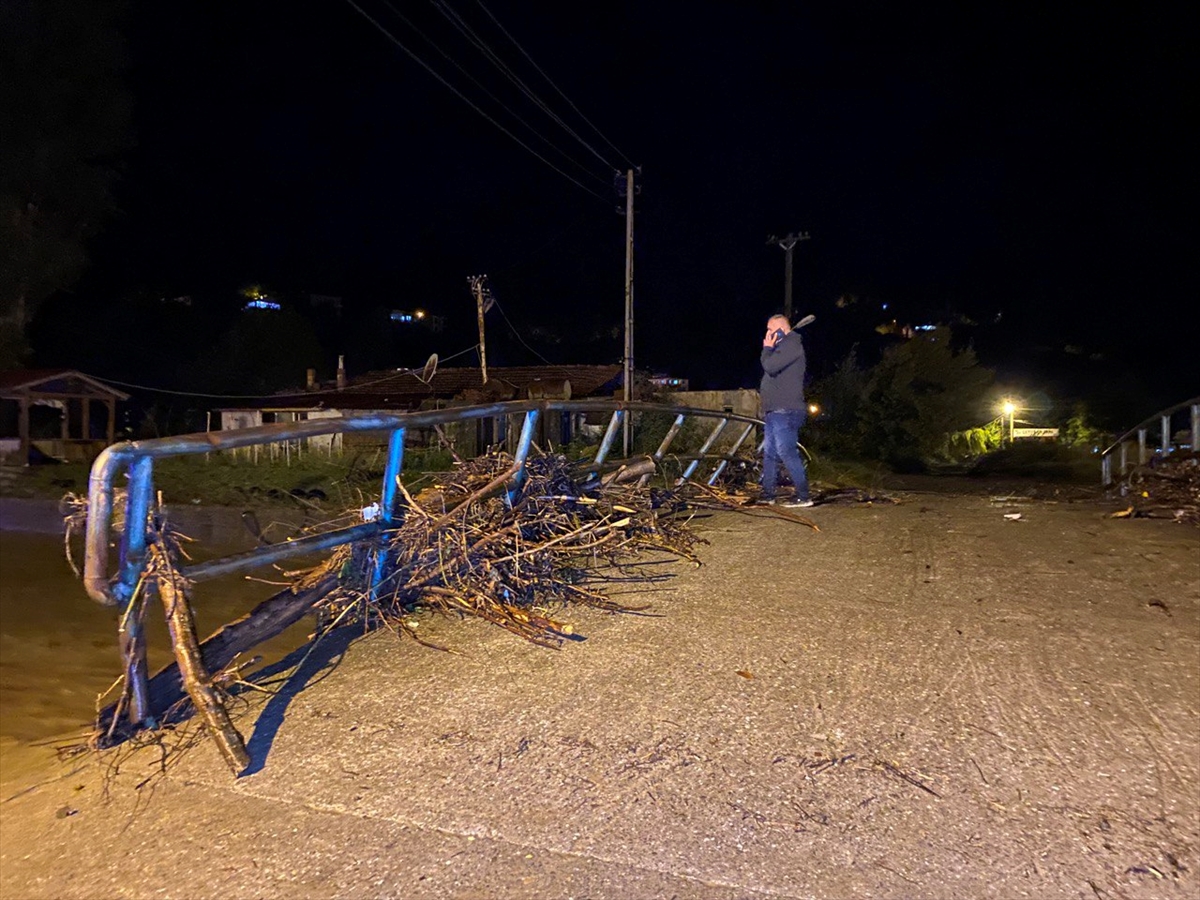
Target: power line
(391, 37)
(517, 334)
(458, 22)
(446, 56)
(552, 84)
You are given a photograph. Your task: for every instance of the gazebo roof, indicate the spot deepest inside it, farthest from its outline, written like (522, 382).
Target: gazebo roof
(17, 384)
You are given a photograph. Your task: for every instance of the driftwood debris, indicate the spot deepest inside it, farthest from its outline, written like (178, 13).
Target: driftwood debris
(269, 618)
(1165, 488)
(173, 589)
(461, 549)
(474, 544)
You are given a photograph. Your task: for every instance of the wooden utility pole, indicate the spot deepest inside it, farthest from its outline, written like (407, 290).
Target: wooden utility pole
(628, 374)
(788, 242)
(478, 288)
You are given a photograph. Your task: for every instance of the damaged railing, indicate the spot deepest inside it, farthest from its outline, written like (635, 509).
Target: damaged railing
(136, 459)
(1166, 444)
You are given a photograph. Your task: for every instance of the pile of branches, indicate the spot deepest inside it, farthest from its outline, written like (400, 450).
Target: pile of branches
(1166, 488)
(475, 544)
(463, 549)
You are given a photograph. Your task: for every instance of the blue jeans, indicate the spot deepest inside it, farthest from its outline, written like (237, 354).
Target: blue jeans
(780, 434)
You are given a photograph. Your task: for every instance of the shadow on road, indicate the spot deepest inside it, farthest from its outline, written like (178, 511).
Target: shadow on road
(312, 663)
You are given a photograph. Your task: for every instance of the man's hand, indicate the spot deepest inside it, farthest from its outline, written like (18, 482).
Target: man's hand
(770, 340)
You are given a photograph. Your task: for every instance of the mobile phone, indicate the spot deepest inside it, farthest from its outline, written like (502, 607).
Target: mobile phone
(778, 335)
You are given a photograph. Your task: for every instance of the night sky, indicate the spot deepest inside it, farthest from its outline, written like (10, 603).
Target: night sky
(1026, 169)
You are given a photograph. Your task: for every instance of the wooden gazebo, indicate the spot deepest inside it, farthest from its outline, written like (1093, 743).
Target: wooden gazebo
(73, 393)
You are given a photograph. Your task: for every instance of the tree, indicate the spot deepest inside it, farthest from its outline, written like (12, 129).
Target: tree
(264, 351)
(1079, 430)
(839, 395)
(65, 117)
(920, 391)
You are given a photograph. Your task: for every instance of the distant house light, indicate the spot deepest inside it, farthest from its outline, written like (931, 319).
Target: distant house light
(925, 327)
(261, 304)
(418, 317)
(668, 381)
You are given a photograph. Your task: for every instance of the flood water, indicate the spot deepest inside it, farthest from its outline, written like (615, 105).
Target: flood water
(58, 647)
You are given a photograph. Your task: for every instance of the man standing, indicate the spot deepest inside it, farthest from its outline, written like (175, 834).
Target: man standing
(782, 395)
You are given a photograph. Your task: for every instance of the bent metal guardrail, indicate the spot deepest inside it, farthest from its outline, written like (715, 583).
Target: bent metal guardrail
(136, 459)
(1120, 447)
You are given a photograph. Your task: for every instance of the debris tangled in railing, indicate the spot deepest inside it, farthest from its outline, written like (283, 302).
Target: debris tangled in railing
(470, 545)
(461, 549)
(1165, 488)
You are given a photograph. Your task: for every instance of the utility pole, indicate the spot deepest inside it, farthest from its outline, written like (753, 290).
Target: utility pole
(483, 301)
(787, 243)
(628, 373)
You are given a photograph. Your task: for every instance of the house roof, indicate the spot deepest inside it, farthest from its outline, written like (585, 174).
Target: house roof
(404, 390)
(18, 383)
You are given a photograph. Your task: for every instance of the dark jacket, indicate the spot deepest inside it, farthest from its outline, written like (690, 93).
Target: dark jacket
(783, 374)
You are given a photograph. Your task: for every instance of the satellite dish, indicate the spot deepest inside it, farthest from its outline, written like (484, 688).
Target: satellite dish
(430, 368)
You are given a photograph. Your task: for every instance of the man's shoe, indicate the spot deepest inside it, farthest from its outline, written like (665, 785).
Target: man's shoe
(765, 501)
(797, 504)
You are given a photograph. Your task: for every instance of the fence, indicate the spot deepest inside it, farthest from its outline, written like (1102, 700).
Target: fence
(1170, 424)
(136, 459)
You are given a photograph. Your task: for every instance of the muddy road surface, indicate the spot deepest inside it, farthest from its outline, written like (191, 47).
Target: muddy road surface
(955, 695)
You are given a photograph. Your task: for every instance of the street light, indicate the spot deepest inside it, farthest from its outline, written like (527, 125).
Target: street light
(1009, 409)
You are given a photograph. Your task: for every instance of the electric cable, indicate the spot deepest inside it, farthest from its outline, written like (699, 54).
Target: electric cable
(517, 334)
(391, 37)
(458, 22)
(504, 31)
(446, 56)
(562, 369)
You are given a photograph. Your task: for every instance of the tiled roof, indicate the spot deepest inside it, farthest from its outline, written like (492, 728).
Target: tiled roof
(404, 390)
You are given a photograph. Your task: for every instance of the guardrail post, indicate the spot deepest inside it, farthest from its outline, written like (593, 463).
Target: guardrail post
(1166, 436)
(1124, 458)
(521, 456)
(1141, 446)
(662, 448)
(391, 476)
(1106, 470)
(609, 437)
(387, 503)
(132, 638)
(712, 479)
(712, 438)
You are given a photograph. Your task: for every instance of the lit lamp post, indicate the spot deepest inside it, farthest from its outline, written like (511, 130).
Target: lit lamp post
(1009, 409)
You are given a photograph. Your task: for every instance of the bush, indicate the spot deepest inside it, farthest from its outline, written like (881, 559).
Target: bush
(920, 391)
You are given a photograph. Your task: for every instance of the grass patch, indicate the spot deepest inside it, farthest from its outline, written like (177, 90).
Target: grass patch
(223, 479)
(866, 475)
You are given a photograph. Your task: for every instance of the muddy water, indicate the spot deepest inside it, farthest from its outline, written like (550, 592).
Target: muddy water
(58, 649)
